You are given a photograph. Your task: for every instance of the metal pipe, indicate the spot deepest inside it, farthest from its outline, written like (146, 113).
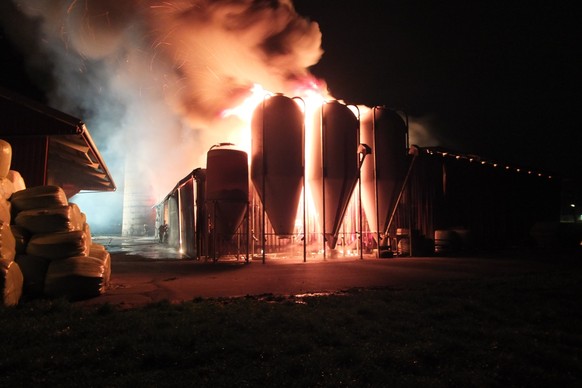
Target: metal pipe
(323, 175)
(363, 150)
(415, 153)
(264, 161)
(375, 153)
(361, 158)
(181, 249)
(303, 178)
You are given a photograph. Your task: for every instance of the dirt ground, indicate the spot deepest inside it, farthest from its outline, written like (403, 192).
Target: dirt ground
(145, 271)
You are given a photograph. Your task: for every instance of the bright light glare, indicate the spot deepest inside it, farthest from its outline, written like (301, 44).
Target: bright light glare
(245, 110)
(309, 96)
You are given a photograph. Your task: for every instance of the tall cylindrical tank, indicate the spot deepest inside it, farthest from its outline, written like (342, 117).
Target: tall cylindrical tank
(333, 171)
(137, 202)
(382, 177)
(277, 160)
(227, 189)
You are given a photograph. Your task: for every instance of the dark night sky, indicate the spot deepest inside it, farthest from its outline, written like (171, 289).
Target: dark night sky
(496, 80)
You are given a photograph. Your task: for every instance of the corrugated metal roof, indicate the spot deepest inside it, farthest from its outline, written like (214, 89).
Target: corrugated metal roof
(73, 157)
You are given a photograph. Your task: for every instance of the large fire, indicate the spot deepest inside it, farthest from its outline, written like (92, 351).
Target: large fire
(312, 99)
(154, 76)
(309, 95)
(160, 82)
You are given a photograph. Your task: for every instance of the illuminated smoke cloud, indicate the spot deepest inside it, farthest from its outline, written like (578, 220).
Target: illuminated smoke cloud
(421, 132)
(151, 78)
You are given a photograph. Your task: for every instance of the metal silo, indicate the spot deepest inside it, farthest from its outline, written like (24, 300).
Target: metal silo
(334, 165)
(383, 176)
(227, 190)
(277, 160)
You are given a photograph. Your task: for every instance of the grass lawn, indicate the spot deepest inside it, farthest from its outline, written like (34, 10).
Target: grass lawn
(519, 330)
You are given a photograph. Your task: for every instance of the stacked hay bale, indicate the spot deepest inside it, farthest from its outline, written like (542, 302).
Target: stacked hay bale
(53, 247)
(11, 278)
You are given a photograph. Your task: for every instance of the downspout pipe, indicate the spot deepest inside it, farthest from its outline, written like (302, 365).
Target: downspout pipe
(414, 151)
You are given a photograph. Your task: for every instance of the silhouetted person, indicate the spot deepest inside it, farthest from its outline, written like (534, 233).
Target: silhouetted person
(163, 231)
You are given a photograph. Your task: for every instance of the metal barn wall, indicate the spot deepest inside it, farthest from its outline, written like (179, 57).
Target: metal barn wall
(183, 210)
(497, 205)
(418, 208)
(187, 207)
(173, 220)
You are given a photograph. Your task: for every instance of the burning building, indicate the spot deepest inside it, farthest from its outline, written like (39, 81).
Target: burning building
(158, 79)
(340, 184)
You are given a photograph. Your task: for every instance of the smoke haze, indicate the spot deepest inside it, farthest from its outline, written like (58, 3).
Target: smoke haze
(151, 78)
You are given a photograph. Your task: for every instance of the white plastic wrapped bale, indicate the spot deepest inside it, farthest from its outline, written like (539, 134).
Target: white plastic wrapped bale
(97, 247)
(76, 278)
(6, 188)
(39, 197)
(99, 251)
(5, 158)
(5, 211)
(87, 230)
(34, 270)
(57, 219)
(10, 282)
(17, 180)
(21, 237)
(59, 245)
(7, 243)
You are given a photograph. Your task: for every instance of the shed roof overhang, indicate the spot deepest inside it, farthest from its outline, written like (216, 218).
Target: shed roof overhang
(73, 158)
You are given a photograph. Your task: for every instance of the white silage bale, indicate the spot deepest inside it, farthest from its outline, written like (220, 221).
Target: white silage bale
(87, 230)
(59, 245)
(5, 158)
(97, 247)
(11, 281)
(39, 197)
(75, 278)
(21, 236)
(6, 188)
(34, 271)
(5, 210)
(16, 179)
(58, 219)
(98, 251)
(7, 243)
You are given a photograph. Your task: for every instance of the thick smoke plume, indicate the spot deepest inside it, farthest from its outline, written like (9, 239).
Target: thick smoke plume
(151, 78)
